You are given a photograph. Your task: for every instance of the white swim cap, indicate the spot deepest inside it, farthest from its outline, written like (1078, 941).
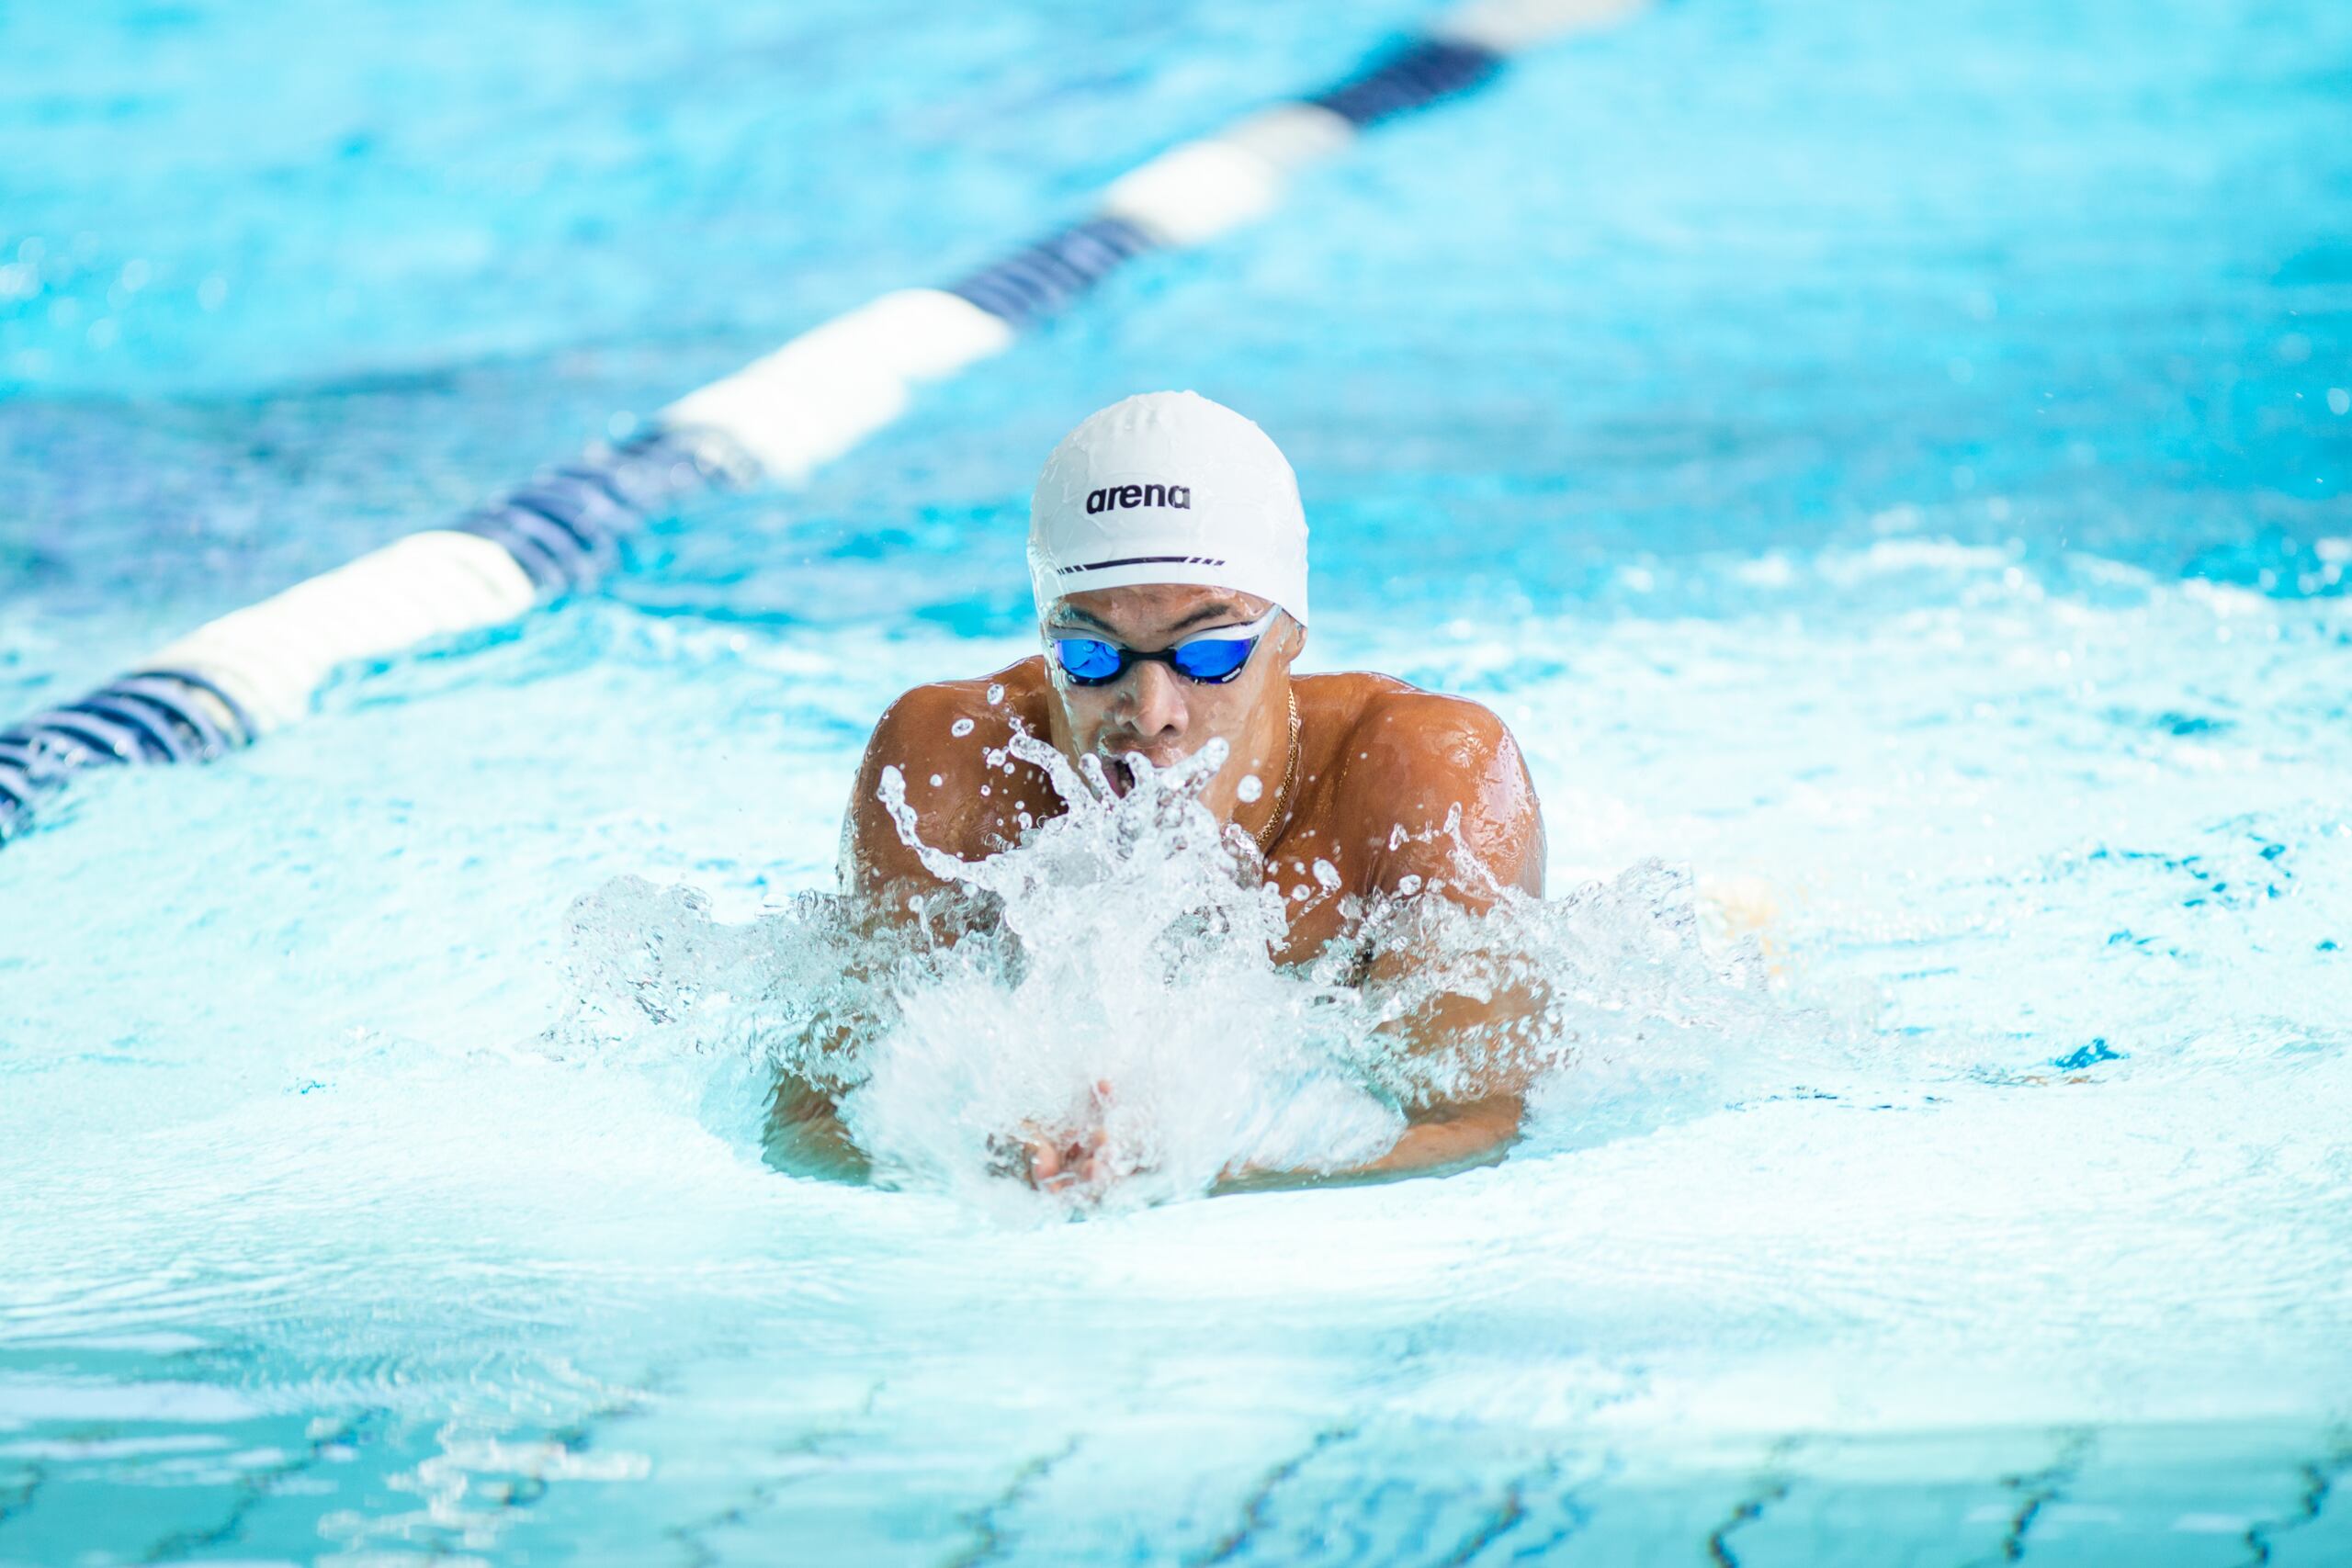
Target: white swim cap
(1168, 487)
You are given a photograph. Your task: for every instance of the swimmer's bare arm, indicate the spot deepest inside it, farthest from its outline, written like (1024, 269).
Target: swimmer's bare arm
(966, 813)
(938, 739)
(1420, 758)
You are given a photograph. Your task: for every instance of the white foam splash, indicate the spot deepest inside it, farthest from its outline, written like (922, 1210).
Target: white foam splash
(1111, 973)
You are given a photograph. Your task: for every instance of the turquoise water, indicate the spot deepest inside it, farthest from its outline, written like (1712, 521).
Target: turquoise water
(1885, 462)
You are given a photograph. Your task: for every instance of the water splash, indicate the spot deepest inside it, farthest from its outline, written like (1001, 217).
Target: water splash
(1112, 974)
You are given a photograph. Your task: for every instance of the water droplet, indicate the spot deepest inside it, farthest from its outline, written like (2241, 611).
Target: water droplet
(1011, 1032)
(960, 729)
(1408, 885)
(996, 693)
(1327, 874)
(936, 780)
(1250, 789)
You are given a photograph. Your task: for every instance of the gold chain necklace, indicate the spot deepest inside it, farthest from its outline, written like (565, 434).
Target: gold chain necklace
(1274, 824)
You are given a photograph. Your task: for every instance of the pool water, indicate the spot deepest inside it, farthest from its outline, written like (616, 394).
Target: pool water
(1885, 463)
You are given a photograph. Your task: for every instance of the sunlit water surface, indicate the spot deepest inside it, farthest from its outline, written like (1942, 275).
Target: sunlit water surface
(1885, 463)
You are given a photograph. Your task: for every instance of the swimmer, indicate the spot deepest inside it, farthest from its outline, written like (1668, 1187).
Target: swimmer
(1168, 558)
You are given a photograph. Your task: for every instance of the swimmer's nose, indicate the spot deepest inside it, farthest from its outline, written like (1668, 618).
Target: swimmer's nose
(1159, 712)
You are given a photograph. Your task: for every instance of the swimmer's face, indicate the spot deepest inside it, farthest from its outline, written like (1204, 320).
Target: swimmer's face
(1152, 710)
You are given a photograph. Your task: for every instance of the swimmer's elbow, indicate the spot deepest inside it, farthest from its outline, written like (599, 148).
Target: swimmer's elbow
(1494, 1116)
(805, 1135)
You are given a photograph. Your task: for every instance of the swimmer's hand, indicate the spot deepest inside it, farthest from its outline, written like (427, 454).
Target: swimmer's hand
(1078, 1160)
(1060, 1160)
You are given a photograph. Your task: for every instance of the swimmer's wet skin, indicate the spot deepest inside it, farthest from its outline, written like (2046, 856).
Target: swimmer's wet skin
(1168, 554)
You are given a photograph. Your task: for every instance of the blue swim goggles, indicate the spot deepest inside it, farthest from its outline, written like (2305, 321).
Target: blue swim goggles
(1212, 658)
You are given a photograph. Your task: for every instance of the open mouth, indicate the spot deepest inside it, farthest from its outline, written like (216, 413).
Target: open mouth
(1120, 773)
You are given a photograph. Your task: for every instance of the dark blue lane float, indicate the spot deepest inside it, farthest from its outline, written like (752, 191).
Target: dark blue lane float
(567, 527)
(1412, 77)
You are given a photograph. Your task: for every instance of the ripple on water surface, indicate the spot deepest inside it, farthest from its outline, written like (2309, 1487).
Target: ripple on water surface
(1911, 513)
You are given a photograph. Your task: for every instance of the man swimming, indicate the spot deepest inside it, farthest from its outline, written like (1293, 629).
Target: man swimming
(1167, 555)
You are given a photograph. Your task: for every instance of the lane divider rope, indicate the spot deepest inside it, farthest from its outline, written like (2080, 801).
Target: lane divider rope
(774, 422)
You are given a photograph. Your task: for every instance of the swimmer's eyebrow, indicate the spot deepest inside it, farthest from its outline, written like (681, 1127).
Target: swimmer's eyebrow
(1205, 613)
(1210, 613)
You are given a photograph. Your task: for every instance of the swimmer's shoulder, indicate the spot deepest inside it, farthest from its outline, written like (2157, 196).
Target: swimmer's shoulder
(1371, 718)
(938, 737)
(960, 720)
(1399, 758)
